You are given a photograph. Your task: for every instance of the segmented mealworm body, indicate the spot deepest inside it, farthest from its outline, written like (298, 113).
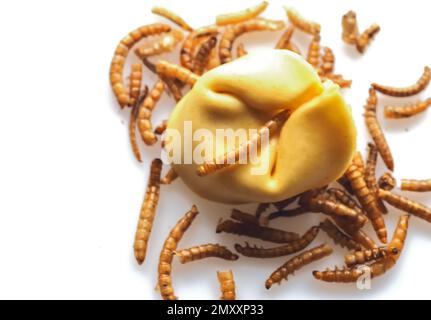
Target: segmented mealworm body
(406, 111)
(328, 61)
(301, 23)
(166, 43)
(387, 181)
(231, 33)
(192, 40)
(205, 251)
(415, 208)
(338, 236)
(145, 113)
(226, 160)
(344, 198)
(416, 185)
(166, 256)
(132, 132)
(370, 175)
(376, 131)
(244, 217)
(172, 17)
(173, 71)
(365, 38)
(241, 16)
(290, 248)
(120, 56)
(338, 79)
(357, 235)
(297, 263)
(202, 56)
(241, 51)
(161, 128)
(148, 211)
(227, 285)
(170, 177)
(285, 38)
(350, 28)
(255, 231)
(313, 55)
(135, 83)
(365, 256)
(416, 88)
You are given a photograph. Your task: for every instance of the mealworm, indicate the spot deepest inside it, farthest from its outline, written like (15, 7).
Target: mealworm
(367, 199)
(301, 23)
(376, 131)
(172, 17)
(167, 253)
(255, 231)
(290, 248)
(338, 79)
(132, 132)
(416, 185)
(234, 156)
(350, 28)
(168, 70)
(148, 211)
(338, 236)
(201, 59)
(285, 38)
(328, 61)
(357, 234)
(190, 43)
(344, 182)
(135, 83)
(145, 113)
(174, 88)
(169, 177)
(120, 56)
(416, 88)
(244, 217)
(344, 198)
(366, 37)
(407, 111)
(365, 256)
(370, 175)
(241, 51)
(227, 285)
(387, 181)
(297, 263)
(313, 55)
(415, 208)
(205, 251)
(231, 33)
(161, 128)
(167, 43)
(241, 16)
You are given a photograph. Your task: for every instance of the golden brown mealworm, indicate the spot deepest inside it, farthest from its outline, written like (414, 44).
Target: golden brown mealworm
(241, 51)
(365, 256)
(357, 235)
(174, 88)
(416, 185)
(161, 128)
(170, 177)
(244, 217)
(338, 236)
(205, 251)
(166, 256)
(344, 198)
(350, 28)
(241, 16)
(285, 38)
(289, 248)
(301, 23)
(168, 70)
(120, 56)
(202, 56)
(297, 263)
(192, 40)
(132, 132)
(376, 131)
(365, 38)
(416, 88)
(148, 211)
(227, 285)
(166, 43)
(313, 55)
(172, 17)
(135, 83)
(328, 62)
(370, 175)
(338, 79)
(407, 111)
(387, 181)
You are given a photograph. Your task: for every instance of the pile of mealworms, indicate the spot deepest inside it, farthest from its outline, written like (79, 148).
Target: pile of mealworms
(356, 198)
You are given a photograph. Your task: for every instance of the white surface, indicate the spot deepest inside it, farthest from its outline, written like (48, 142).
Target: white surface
(71, 190)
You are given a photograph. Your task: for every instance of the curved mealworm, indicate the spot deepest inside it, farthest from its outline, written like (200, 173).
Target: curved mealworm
(148, 211)
(169, 177)
(376, 131)
(120, 56)
(243, 15)
(166, 256)
(357, 235)
(201, 59)
(290, 248)
(419, 86)
(145, 113)
(297, 263)
(387, 181)
(362, 257)
(227, 285)
(192, 40)
(241, 51)
(301, 23)
(168, 70)
(415, 208)
(234, 156)
(285, 38)
(416, 185)
(366, 37)
(328, 61)
(161, 128)
(344, 198)
(370, 175)
(166, 43)
(135, 83)
(171, 16)
(205, 251)
(255, 231)
(338, 236)
(313, 55)
(407, 111)
(338, 79)
(350, 27)
(244, 217)
(366, 199)
(231, 33)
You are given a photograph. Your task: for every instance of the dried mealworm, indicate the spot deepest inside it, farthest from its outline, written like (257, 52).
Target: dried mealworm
(365, 37)
(205, 251)
(241, 51)
(419, 86)
(313, 55)
(135, 83)
(145, 112)
(132, 132)
(416, 185)
(407, 111)
(174, 88)
(301, 23)
(166, 256)
(350, 28)
(244, 217)
(365, 256)
(328, 61)
(415, 208)
(297, 263)
(231, 33)
(172, 17)
(344, 198)
(227, 285)
(202, 56)
(338, 79)
(166, 43)
(285, 38)
(148, 211)
(192, 40)
(169, 177)
(376, 131)
(289, 248)
(161, 128)
(367, 199)
(168, 70)
(244, 15)
(226, 159)
(255, 231)
(370, 175)
(357, 234)
(387, 181)
(120, 56)
(338, 236)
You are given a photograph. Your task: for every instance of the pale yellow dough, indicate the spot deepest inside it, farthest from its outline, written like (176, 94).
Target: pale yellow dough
(314, 147)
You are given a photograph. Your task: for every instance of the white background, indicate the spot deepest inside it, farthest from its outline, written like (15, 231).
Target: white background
(70, 189)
